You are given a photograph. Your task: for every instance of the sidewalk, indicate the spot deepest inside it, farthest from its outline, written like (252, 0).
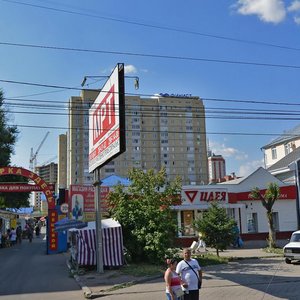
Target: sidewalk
(95, 285)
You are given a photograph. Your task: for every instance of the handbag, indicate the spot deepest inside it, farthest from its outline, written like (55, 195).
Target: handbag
(199, 282)
(178, 293)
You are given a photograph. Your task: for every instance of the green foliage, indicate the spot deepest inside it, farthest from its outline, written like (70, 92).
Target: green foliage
(209, 259)
(143, 209)
(8, 137)
(216, 227)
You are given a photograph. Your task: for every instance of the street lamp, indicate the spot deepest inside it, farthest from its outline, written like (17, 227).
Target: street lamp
(136, 80)
(295, 166)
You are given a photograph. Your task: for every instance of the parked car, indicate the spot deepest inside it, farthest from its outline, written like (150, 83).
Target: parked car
(291, 251)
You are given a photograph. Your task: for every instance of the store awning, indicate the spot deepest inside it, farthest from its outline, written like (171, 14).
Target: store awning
(66, 224)
(205, 206)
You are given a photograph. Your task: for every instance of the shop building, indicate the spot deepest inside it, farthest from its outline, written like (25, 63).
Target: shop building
(233, 195)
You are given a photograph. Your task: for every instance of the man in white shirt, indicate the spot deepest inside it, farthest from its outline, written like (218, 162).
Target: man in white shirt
(190, 272)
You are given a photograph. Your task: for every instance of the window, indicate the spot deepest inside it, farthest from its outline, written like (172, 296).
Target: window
(274, 153)
(187, 218)
(287, 148)
(252, 222)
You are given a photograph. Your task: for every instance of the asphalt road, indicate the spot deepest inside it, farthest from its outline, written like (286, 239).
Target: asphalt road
(27, 272)
(253, 279)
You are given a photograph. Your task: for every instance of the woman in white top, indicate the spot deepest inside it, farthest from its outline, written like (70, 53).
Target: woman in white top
(173, 281)
(13, 236)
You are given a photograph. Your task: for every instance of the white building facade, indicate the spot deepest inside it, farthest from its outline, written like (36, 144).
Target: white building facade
(249, 214)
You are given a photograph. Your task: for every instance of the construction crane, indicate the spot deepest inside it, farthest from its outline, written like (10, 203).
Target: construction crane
(32, 160)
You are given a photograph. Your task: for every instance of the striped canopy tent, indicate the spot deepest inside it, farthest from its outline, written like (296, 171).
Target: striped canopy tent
(112, 242)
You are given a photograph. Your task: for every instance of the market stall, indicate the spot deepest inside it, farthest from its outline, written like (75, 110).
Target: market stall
(83, 244)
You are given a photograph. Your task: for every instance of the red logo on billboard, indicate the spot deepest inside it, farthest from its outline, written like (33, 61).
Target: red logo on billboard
(104, 118)
(191, 195)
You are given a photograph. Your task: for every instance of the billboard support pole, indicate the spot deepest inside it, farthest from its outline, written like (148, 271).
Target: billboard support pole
(99, 246)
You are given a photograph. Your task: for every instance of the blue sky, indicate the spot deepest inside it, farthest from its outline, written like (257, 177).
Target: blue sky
(247, 51)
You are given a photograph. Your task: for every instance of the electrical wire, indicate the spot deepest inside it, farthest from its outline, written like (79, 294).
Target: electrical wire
(144, 131)
(167, 28)
(148, 55)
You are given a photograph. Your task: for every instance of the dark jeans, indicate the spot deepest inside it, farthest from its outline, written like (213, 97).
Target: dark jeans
(192, 295)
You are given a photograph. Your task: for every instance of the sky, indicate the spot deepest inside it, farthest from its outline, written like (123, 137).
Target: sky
(241, 57)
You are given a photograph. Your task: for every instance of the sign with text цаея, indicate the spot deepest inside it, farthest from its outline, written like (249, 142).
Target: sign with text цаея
(201, 196)
(107, 121)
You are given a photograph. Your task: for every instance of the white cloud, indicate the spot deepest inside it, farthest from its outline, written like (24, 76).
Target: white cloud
(237, 161)
(272, 11)
(295, 6)
(227, 152)
(130, 69)
(249, 167)
(297, 20)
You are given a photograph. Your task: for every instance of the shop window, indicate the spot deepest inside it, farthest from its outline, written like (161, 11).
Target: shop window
(187, 219)
(252, 222)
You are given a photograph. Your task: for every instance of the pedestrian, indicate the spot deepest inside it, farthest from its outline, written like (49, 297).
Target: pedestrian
(37, 230)
(201, 243)
(173, 281)
(19, 234)
(13, 236)
(30, 233)
(237, 238)
(190, 273)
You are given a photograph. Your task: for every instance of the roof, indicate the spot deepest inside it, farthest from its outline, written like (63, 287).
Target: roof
(285, 137)
(259, 178)
(113, 180)
(21, 210)
(286, 161)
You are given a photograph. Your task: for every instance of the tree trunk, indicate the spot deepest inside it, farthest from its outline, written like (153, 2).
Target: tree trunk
(272, 234)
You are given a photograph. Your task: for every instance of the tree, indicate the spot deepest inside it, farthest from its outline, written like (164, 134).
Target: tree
(8, 137)
(268, 199)
(143, 210)
(216, 227)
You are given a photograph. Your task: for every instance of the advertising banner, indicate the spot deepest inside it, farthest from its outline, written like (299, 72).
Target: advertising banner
(82, 203)
(107, 121)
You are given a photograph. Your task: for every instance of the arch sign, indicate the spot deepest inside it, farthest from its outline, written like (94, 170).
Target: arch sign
(52, 242)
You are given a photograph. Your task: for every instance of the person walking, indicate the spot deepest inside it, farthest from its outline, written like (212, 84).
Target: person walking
(30, 233)
(13, 236)
(173, 281)
(190, 273)
(19, 234)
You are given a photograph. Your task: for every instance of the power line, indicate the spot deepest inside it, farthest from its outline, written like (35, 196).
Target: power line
(137, 95)
(167, 28)
(207, 132)
(195, 59)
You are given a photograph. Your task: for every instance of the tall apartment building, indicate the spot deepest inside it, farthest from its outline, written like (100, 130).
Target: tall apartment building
(216, 168)
(49, 173)
(62, 161)
(161, 131)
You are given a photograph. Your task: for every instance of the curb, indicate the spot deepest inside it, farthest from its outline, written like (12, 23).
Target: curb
(86, 291)
(91, 295)
(88, 294)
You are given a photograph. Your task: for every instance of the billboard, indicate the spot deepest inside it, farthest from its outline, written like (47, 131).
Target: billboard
(82, 203)
(107, 121)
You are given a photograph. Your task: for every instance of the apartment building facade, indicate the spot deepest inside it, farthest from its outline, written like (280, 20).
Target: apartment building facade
(216, 167)
(49, 173)
(161, 131)
(281, 146)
